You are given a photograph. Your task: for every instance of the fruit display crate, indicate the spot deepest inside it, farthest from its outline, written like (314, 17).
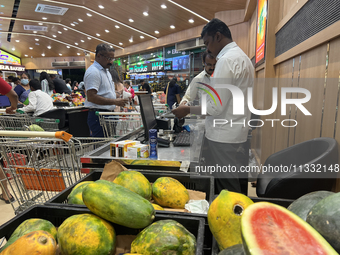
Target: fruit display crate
(190, 181)
(56, 215)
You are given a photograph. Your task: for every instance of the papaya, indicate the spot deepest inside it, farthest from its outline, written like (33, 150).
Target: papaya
(224, 217)
(136, 182)
(272, 229)
(118, 204)
(169, 192)
(233, 250)
(325, 218)
(304, 204)
(76, 195)
(35, 242)
(86, 234)
(157, 207)
(31, 225)
(164, 237)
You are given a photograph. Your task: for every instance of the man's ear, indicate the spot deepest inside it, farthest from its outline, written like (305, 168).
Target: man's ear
(218, 36)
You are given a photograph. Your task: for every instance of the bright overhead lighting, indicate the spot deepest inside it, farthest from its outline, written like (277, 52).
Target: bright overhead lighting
(131, 40)
(44, 18)
(59, 32)
(89, 38)
(17, 40)
(40, 24)
(145, 13)
(78, 53)
(100, 6)
(72, 24)
(76, 43)
(36, 39)
(116, 26)
(188, 10)
(75, 22)
(65, 29)
(60, 54)
(120, 43)
(2, 6)
(30, 48)
(156, 32)
(111, 46)
(97, 34)
(107, 31)
(68, 47)
(13, 48)
(124, 60)
(26, 55)
(89, 14)
(172, 27)
(37, 44)
(131, 20)
(191, 21)
(141, 37)
(49, 47)
(163, 6)
(34, 32)
(54, 36)
(43, 55)
(80, 20)
(82, 40)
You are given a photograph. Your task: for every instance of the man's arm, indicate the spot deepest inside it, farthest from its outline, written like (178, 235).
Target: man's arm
(93, 97)
(191, 91)
(32, 106)
(178, 98)
(13, 98)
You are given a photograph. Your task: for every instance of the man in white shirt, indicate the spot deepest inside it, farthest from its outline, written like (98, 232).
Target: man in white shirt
(203, 77)
(225, 143)
(39, 101)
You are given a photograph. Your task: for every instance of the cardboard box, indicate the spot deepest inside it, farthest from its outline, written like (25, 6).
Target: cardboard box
(144, 150)
(122, 147)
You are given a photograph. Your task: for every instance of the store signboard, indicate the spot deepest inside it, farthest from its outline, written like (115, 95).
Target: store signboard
(12, 68)
(146, 67)
(168, 66)
(171, 52)
(47, 71)
(9, 59)
(261, 31)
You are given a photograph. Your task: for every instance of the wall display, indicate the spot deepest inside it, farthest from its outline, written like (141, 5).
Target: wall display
(261, 31)
(180, 63)
(9, 59)
(168, 66)
(146, 67)
(12, 68)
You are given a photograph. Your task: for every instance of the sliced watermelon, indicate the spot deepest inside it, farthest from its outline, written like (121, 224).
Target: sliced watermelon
(271, 229)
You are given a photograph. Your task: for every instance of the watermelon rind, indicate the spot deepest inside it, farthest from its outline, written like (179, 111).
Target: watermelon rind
(249, 236)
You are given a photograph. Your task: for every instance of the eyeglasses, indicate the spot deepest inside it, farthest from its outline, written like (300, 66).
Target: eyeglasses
(108, 59)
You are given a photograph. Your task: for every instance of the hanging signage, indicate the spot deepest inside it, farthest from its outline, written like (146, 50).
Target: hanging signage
(171, 52)
(261, 31)
(147, 67)
(12, 68)
(168, 66)
(9, 59)
(47, 71)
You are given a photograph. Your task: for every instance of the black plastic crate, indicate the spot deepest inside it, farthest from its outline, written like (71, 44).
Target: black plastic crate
(193, 182)
(57, 215)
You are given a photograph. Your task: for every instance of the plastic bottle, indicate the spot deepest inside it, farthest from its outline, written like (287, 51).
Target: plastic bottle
(153, 146)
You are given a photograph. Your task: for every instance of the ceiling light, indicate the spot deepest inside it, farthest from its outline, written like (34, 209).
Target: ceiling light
(40, 24)
(120, 43)
(26, 55)
(82, 40)
(124, 60)
(43, 55)
(107, 31)
(131, 40)
(2, 6)
(80, 20)
(172, 27)
(188, 10)
(34, 32)
(68, 47)
(54, 36)
(36, 39)
(156, 32)
(111, 46)
(30, 48)
(191, 20)
(78, 53)
(100, 6)
(17, 40)
(76, 43)
(37, 44)
(163, 6)
(72, 24)
(97, 34)
(89, 14)
(44, 18)
(116, 26)
(60, 54)
(75, 22)
(89, 38)
(145, 13)
(65, 29)
(131, 20)
(13, 48)
(141, 37)
(49, 47)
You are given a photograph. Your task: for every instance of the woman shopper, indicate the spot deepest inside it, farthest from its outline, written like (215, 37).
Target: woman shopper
(47, 85)
(23, 88)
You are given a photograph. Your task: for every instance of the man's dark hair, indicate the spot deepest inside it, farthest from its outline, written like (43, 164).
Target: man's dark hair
(204, 56)
(127, 82)
(103, 47)
(53, 76)
(173, 82)
(10, 77)
(214, 26)
(15, 79)
(35, 84)
(67, 80)
(141, 81)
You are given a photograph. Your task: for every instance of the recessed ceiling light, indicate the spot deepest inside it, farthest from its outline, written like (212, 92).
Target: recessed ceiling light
(13, 48)
(101, 7)
(44, 18)
(30, 48)
(172, 27)
(131, 20)
(60, 54)
(76, 43)
(163, 6)
(131, 40)
(40, 24)
(2, 6)
(80, 20)
(120, 43)
(59, 32)
(82, 40)
(97, 34)
(65, 29)
(145, 13)
(43, 55)
(156, 32)
(54, 36)
(141, 37)
(107, 31)
(36, 39)
(89, 14)
(75, 22)
(34, 32)
(49, 47)
(116, 26)
(191, 20)
(89, 38)
(72, 24)
(17, 40)
(111, 46)
(26, 55)
(68, 47)
(37, 44)
(78, 53)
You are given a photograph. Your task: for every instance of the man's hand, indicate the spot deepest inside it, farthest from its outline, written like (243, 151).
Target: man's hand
(184, 103)
(11, 110)
(121, 102)
(181, 111)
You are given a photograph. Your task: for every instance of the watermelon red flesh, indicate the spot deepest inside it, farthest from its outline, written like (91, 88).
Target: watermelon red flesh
(271, 229)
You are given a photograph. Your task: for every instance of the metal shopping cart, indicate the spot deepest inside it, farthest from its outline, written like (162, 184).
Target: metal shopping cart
(116, 124)
(38, 165)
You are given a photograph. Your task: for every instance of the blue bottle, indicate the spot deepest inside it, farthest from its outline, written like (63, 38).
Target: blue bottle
(153, 144)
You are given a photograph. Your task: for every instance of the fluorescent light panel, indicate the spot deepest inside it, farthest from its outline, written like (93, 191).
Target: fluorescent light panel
(188, 10)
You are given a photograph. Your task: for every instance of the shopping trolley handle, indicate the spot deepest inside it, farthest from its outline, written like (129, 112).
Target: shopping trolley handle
(59, 134)
(117, 113)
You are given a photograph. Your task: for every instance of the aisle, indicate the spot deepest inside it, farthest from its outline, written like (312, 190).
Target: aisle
(7, 212)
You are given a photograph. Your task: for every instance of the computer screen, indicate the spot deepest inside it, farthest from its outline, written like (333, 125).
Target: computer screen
(148, 114)
(4, 101)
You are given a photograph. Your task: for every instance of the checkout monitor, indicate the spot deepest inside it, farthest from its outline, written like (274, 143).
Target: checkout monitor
(148, 114)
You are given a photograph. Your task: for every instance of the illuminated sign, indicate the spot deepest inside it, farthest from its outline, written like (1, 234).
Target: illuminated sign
(168, 66)
(12, 68)
(261, 30)
(147, 67)
(9, 59)
(48, 71)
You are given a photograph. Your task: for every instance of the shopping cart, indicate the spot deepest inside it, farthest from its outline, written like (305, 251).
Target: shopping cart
(117, 124)
(38, 165)
(23, 122)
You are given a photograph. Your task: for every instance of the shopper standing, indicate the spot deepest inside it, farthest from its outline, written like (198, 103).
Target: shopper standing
(23, 88)
(68, 84)
(100, 88)
(172, 91)
(47, 85)
(59, 85)
(225, 144)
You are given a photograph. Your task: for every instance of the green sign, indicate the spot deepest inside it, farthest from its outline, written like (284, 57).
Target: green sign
(146, 67)
(171, 52)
